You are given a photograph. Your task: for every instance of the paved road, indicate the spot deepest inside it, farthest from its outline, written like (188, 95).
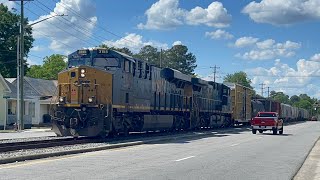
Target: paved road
(232, 155)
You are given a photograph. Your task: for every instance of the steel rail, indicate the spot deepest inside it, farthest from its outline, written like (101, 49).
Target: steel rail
(16, 146)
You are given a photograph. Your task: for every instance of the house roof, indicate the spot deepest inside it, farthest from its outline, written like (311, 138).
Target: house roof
(36, 87)
(43, 87)
(5, 84)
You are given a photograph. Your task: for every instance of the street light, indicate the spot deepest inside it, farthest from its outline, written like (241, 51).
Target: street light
(20, 64)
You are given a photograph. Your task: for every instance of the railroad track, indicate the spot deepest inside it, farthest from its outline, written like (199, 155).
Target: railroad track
(16, 146)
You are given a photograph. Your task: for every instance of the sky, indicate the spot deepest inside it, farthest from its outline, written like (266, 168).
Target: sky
(274, 41)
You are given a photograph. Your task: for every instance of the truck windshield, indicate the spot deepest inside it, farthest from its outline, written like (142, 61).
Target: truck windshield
(267, 115)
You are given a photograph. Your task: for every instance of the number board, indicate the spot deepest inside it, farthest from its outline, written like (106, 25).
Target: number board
(102, 51)
(83, 51)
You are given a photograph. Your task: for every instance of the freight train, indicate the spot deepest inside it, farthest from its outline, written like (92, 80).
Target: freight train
(106, 92)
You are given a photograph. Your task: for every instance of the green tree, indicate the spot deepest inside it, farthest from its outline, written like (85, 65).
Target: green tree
(149, 54)
(306, 97)
(52, 65)
(304, 104)
(294, 99)
(280, 97)
(178, 58)
(9, 31)
(239, 78)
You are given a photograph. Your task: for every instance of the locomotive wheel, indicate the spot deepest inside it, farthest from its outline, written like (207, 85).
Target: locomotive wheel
(260, 131)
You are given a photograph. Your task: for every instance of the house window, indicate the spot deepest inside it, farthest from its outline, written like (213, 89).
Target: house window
(32, 108)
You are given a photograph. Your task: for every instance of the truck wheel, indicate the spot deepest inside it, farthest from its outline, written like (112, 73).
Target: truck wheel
(281, 130)
(260, 131)
(254, 131)
(275, 131)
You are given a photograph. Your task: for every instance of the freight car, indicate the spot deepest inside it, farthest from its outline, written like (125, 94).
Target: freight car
(241, 103)
(107, 92)
(286, 112)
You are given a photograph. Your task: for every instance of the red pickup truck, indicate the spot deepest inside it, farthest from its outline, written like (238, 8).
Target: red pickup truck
(267, 121)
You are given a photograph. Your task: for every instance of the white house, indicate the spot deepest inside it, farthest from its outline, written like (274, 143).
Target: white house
(39, 97)
(4, 90)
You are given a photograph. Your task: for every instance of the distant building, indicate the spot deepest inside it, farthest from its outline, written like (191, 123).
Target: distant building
(39, 97)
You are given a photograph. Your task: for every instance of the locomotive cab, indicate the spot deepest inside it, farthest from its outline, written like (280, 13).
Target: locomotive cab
(85, 93)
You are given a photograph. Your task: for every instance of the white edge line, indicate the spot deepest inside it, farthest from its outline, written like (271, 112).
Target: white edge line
(235, 144)
(184, 158)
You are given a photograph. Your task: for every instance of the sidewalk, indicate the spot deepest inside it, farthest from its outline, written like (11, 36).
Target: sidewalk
(27, 133)
(310, 169)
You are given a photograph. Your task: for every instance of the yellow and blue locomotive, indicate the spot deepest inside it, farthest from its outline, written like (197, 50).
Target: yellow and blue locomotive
(105, 92)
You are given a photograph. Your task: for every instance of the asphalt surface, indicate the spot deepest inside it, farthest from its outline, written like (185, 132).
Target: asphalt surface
(232, 155)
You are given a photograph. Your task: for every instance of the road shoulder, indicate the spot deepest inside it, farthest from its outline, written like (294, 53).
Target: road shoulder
(311, 167)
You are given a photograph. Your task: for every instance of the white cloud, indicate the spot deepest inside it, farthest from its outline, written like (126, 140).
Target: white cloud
(315, 57)
(303, 78)
(283, 12)
(166, 14)
(9, 4)
(267, 49)
(32, 62)
(163, 14)
(37, 48)
(214, 16)
(134, 42)
(177, 43)
(64, 35)
(219, 34)
(266, 44)
(245, 41)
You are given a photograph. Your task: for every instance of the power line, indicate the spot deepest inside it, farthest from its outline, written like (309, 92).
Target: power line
(214, 72)
(262, 88)
(35, 56)
(82, 30)
(62, 29)
(89, 21)
(279, 76)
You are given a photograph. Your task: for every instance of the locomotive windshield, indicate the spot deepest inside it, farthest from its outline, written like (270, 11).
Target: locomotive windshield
(78, 58)
(106, 62)
(74, 62)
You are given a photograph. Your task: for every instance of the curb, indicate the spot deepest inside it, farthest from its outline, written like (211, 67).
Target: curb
(106, 147)
(304, 159)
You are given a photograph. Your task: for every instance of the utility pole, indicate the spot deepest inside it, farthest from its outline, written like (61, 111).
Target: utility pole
(214, 72)
(21, 66)
(262, 88)
(20, 62)
(269, 98)
(161, 58)
(18, 82)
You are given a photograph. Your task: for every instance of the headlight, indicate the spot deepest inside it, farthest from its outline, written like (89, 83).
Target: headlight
(90, 100)
(83, 71)
(83, 75)
(61, 99)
